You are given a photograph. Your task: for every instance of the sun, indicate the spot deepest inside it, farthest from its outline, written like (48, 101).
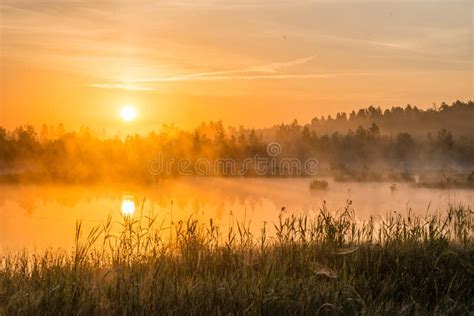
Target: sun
(128, 113)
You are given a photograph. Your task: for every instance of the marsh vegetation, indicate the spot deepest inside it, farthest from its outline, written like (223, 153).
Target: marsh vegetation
(330, 263)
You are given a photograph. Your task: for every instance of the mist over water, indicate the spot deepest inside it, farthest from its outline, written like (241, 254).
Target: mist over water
(44, 216)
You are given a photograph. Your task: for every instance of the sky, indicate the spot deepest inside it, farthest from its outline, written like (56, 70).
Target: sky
(246, 62)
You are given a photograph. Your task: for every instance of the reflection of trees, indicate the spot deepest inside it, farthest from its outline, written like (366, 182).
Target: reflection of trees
(192, 194)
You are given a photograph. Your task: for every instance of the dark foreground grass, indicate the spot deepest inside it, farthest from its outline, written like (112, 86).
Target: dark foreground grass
(327, 264)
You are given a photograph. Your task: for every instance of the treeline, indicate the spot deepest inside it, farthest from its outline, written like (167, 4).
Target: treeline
(457, 117)
(82, 156)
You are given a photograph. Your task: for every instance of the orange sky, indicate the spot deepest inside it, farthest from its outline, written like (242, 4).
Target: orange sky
(250, 62)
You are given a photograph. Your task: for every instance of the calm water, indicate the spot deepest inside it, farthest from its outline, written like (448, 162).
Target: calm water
(39, 216)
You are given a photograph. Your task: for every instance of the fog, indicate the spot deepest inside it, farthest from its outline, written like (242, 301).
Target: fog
(41, 216)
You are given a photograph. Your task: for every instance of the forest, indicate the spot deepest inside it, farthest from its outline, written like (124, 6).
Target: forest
(364, 145)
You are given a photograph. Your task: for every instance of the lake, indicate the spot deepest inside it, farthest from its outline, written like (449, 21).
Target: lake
(36, 217)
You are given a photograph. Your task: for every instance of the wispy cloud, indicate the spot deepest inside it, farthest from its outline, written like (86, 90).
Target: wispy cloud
(406, 45)
(122, 86)
(272, 68)
(149, 86)
(270, 71)
(402, 46)
(242, 4)
(255, 77)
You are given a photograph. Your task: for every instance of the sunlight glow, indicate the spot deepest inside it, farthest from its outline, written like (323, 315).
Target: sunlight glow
(128, 113)
(128, 205)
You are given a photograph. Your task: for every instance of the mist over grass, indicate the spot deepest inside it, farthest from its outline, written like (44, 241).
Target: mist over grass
(327, 264)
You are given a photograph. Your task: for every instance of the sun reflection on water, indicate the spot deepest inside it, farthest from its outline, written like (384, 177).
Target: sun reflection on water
(128, 205)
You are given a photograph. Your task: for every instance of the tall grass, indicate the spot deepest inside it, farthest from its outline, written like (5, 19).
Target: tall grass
(326, 264)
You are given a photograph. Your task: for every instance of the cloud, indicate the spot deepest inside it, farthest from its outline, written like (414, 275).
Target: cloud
(272, 68)
(150, 85)
(257, 77)
(261, 72)
(121, 86)
(408, 47)
(238, 4)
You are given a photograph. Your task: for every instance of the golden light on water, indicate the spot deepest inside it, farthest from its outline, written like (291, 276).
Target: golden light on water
(128, 205)
(128, 113)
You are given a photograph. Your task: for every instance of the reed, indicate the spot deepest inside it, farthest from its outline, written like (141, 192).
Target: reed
(329, 263)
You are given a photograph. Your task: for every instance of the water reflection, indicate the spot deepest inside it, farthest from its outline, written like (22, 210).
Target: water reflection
(46, 214)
